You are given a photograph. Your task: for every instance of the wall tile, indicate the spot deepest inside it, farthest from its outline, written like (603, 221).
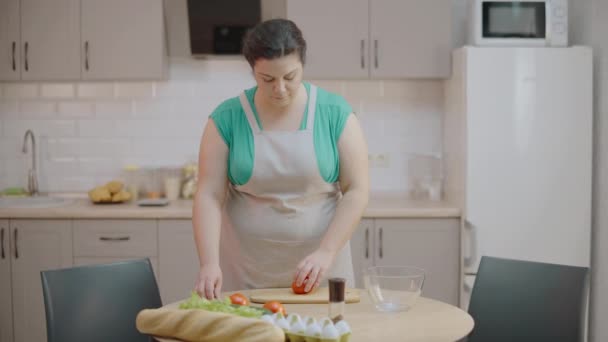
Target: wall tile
(57, 90)
(119, 109)
(102, 90)
(97, 128)
(21, 91)
(37, 110)
(134, 90)
(49, 128)
(75, 109)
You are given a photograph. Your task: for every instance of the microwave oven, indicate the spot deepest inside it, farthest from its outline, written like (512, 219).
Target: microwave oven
(519, 23)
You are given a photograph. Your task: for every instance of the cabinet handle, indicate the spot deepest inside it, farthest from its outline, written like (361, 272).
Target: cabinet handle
(376, 53)
(14, 62)
(26, 48)
(362, 53)
(15, 233)
(469, 241)
(118, 238)
(2, 242)
(380, 251)
(366, 243)
(86, 55)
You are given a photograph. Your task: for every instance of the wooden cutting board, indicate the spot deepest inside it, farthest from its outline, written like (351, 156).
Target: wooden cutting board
(286, 296)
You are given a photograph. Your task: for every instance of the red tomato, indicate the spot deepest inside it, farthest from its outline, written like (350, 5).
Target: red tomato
(275, 307)
(239, 299)
(299, 289)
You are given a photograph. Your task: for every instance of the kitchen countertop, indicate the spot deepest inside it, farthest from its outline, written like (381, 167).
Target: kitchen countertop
(379, 206)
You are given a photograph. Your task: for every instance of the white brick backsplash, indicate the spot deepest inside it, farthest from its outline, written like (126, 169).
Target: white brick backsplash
(336, 87)
(20, 91)
(152, 109)
(175, 89)
(134, 90)
(10, 147)
(400, 89)
(9, 109)
(57, 90)
(114, 109)
(194, 108)
(109, 167)
(75, 109)
(165, 147)
(363, 89)
(160, 128)
(87, 148)
(49, 128)
(102, 90)
(86, 132)
(37, 110)
(97, 128)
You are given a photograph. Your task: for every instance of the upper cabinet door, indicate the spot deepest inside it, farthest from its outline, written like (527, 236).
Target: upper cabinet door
(337, 37)
(50, 35)
(122, 39)
(410, 38)
(9, 40)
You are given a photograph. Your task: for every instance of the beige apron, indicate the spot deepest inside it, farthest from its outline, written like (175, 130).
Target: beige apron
(281, 214)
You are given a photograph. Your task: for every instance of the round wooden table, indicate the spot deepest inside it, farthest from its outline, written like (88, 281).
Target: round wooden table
(428, 320)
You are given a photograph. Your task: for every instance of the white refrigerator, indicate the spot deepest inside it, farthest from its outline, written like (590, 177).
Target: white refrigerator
(518, 154)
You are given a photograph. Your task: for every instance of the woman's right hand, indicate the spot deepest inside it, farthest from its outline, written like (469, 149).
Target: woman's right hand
(209, 283)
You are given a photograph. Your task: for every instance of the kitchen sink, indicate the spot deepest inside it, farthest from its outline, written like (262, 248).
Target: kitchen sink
(33, 202)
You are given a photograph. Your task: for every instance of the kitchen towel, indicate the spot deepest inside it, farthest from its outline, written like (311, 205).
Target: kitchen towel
(195, 325)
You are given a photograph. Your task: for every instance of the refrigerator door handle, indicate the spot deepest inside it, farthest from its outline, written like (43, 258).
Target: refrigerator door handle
(470, 250)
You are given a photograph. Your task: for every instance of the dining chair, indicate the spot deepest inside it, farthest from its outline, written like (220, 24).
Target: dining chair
(527, 301)
(98, 302)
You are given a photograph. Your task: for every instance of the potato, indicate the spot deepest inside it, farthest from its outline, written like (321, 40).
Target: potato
(114, 186)
(121, 196)
(100, 194)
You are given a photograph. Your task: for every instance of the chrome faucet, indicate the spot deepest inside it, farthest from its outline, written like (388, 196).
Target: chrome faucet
(32, 181)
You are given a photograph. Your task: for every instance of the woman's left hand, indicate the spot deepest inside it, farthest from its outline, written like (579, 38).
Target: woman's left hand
(314, 266)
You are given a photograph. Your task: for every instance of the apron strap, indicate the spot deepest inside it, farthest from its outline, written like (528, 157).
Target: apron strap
(249, 113)
(312, 107)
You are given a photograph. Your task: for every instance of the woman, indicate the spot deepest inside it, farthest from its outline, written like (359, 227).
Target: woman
(283, 171)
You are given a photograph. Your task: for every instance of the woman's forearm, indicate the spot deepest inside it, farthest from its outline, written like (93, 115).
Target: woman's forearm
(207, 220)
(345, 221)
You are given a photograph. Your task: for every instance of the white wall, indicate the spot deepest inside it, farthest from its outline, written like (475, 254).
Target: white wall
(86, 132)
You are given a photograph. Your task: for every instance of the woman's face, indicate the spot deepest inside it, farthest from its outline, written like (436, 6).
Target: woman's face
(279, 79)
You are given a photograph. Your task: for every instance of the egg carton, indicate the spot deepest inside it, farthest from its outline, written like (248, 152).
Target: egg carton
(308, 329)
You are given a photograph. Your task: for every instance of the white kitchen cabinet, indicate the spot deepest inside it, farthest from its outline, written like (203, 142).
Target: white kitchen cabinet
(122, 39)
(361, 246)
(37, 245)
(50, 40)
(10, 45)
(178, 259)
(6, 306)
(107, 241)
(432, 244)
(378, 39)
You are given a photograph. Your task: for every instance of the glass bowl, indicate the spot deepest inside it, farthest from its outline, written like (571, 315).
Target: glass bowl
(394, 288)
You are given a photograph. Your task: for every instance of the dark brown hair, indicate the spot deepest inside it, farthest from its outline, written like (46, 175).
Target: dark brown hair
(273, 38)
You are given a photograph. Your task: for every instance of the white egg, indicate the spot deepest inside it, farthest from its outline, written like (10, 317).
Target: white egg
(282, 323)
(325, 321)
(310, 320)
(313, 330)
(294, 318)
(330, 332)
(297, 328)
(343, 327)
(268, 318)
